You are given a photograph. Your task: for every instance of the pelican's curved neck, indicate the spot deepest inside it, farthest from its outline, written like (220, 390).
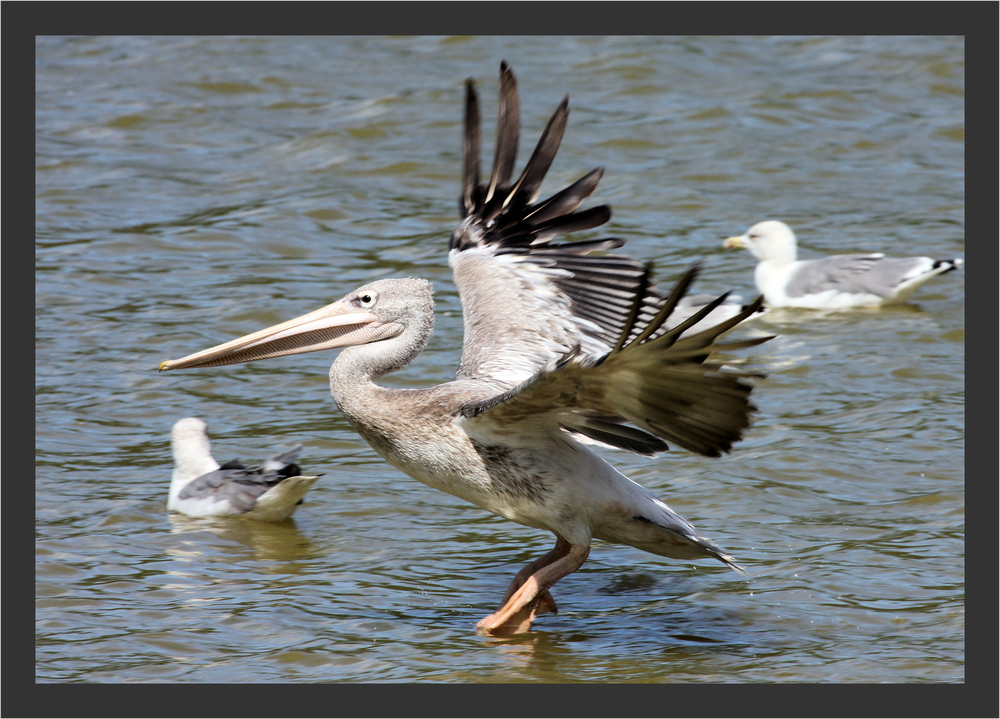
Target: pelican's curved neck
(354, 372)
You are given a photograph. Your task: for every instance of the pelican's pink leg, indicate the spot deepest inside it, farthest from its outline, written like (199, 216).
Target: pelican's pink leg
(546, 602)
(532, 598)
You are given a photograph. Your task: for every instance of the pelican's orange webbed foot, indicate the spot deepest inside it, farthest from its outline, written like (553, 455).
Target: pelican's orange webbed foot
(502, 623)
(533, 597)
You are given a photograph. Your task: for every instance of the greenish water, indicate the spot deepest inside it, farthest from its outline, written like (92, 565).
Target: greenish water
(191, 190)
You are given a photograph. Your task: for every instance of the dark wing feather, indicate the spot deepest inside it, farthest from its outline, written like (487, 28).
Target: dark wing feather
(509, 128)
(661, 381)
(470, 151)
(611, 431)
(528, 301)
(584, 341)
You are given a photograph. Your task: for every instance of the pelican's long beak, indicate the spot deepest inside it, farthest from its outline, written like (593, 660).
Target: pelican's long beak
(337, 325)
(731, 242)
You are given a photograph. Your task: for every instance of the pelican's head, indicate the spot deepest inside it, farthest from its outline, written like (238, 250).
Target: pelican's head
(378, 311)
(768, 240)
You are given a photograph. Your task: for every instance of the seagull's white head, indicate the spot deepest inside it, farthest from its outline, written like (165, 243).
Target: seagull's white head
(767, 240)
(192, 450)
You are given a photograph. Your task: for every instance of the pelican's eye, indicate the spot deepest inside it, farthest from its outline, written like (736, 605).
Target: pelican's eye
(367, 299)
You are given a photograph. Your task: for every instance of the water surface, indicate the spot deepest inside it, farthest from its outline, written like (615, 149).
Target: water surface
(191, 190)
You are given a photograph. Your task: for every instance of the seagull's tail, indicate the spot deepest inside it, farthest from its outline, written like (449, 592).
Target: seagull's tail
(279, 502)
(943, 266)
(280, 461)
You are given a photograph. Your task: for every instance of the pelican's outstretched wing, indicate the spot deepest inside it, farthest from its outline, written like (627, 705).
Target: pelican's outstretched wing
(659, 380)
(528, 301)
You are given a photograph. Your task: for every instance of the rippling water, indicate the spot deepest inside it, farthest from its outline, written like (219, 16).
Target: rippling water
(191, 190)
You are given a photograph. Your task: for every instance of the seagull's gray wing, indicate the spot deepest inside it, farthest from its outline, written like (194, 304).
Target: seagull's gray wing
(873, 274)
(241, 485)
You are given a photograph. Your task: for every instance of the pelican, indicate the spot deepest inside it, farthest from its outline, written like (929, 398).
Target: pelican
(566, 345)
(833, 282)
(201, 487)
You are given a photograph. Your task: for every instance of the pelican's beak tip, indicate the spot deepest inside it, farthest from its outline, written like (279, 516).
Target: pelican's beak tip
(164, 366)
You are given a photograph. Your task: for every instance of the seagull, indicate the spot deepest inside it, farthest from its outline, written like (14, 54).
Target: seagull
(201, 487)
(834, 282)
(566, 346)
